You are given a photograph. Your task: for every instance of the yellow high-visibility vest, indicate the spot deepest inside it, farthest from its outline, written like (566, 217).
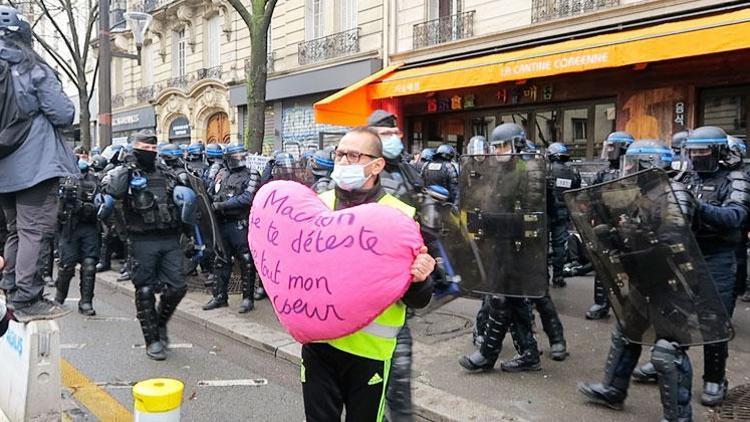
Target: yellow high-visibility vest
(378, 339)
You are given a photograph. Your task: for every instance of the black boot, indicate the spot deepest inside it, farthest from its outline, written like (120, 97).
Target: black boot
(105, 256)
(714, 373)
(220, 296)
(527, 358)
(600, 308)
(145, 302)
(170, 298)
(552, 327)
(88, 276)
(497, 327)
(259, 293)
(621, 360)
(64, 275)
(247, 271)
(675, 380)
(399, 380)
(645, 373)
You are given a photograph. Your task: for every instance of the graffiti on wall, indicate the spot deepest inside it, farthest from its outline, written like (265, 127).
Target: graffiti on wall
(298, 125)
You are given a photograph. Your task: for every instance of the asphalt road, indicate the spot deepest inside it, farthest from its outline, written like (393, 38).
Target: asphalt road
(107, 349)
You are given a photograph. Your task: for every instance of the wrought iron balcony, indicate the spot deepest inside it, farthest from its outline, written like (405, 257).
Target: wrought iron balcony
(547, 10)
(270, 59)
(145, 93)
(210, 73)
(448, 28)
(118, 100)
(329, 47)
(180, 82)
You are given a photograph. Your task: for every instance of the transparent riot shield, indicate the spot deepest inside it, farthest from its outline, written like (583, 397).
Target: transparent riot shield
(295, 173)
(644, 252)
(501, 218)
(207, 224)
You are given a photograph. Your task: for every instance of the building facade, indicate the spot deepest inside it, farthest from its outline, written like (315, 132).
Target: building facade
(565, 70)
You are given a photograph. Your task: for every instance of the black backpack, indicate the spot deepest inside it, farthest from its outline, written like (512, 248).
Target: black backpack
(14, 125)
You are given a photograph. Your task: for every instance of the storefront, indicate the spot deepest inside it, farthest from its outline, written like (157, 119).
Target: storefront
(651, 81)
(128, 122)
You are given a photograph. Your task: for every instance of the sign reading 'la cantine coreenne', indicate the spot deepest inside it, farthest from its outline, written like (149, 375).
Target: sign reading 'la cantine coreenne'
(329, 273)
(180, 128)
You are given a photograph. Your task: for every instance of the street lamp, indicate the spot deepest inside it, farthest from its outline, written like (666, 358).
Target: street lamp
(138, 23)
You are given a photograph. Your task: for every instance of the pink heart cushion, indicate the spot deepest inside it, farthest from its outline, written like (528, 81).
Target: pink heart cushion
(329, 273)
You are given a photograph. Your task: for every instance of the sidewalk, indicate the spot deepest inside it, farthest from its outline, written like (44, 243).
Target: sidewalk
(444, 392)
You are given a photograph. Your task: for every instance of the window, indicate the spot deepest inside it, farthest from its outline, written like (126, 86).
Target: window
(179, 49)
(579, 128)
(147, 65)
(442, 8)
(727, 109)
(348, 15)
(314, 19)
(213, 41)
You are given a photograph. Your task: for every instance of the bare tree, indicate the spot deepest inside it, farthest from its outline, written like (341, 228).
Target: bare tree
(257, 18)
(75, 28)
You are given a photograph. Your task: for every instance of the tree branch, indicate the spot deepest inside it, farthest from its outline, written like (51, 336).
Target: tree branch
(245, 14)
(93, 78)
(52, 20)
(270, 6)
(67, 69)
(93, 13)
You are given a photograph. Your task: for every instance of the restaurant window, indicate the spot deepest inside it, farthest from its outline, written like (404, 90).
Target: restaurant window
(727, 109)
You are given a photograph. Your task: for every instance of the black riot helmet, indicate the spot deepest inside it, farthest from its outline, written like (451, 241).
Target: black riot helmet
(427, 155)
(284, 160)
(98, 162)
(171, 154)
(616, 144)
(14, 24)
(509, 134)
(706, 146)
(678, 141)
(446, 152)
(144, 148)
(235, 155)
(645, 154)
(557, 151)
(195, 151)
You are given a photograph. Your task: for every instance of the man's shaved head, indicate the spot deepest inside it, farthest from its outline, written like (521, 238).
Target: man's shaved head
(363, 139)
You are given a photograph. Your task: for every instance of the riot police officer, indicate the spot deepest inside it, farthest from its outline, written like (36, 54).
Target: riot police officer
(668, 356)
(613, 149)
(442, 172)
(506, 313)
(425, 157)
(215, 162)
(233, 194)
(403, 181)
(154, 206)
(98, 163)
(194, 159)
(79, 237)
(322, 166)
(560, 178)
(171, 156)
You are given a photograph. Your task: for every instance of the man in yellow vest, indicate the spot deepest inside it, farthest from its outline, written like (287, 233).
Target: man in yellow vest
(352, 372)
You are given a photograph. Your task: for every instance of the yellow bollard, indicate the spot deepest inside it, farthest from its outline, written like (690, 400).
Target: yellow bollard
(158, 400)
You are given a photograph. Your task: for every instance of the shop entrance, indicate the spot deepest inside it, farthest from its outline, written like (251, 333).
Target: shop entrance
(217, 129)
(580, 125)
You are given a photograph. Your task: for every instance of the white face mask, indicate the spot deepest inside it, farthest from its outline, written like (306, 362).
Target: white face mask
(392, 146)
(350, 177)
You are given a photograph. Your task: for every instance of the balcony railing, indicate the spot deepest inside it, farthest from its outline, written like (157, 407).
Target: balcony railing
(329, 47)
(448, 28)
(270, 59)
(180, 82)
(209, 73)
(150, 5)
(547, 10)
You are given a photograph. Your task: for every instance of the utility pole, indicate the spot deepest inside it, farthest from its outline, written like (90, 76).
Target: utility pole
(105, 83)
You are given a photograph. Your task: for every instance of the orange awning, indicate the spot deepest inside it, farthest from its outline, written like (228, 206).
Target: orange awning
(351, 105)
(673, 40)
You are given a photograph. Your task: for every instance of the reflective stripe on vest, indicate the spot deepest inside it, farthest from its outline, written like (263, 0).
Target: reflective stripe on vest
(377, 340)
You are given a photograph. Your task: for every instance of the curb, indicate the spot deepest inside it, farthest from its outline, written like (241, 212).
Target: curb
(430, 404)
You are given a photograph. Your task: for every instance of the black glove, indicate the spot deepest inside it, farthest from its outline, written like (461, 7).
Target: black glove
(219, 207)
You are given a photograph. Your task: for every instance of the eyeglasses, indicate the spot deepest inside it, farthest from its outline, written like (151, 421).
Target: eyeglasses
(351, 156)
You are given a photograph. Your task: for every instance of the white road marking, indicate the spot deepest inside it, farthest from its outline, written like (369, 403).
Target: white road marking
(259, 382)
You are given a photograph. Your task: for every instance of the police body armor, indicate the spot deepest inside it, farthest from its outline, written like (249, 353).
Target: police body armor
(441, 173)
(720, 188)
(77, 201)
(149, 205)
(233, 183)
(560, 178)
(197, 167)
